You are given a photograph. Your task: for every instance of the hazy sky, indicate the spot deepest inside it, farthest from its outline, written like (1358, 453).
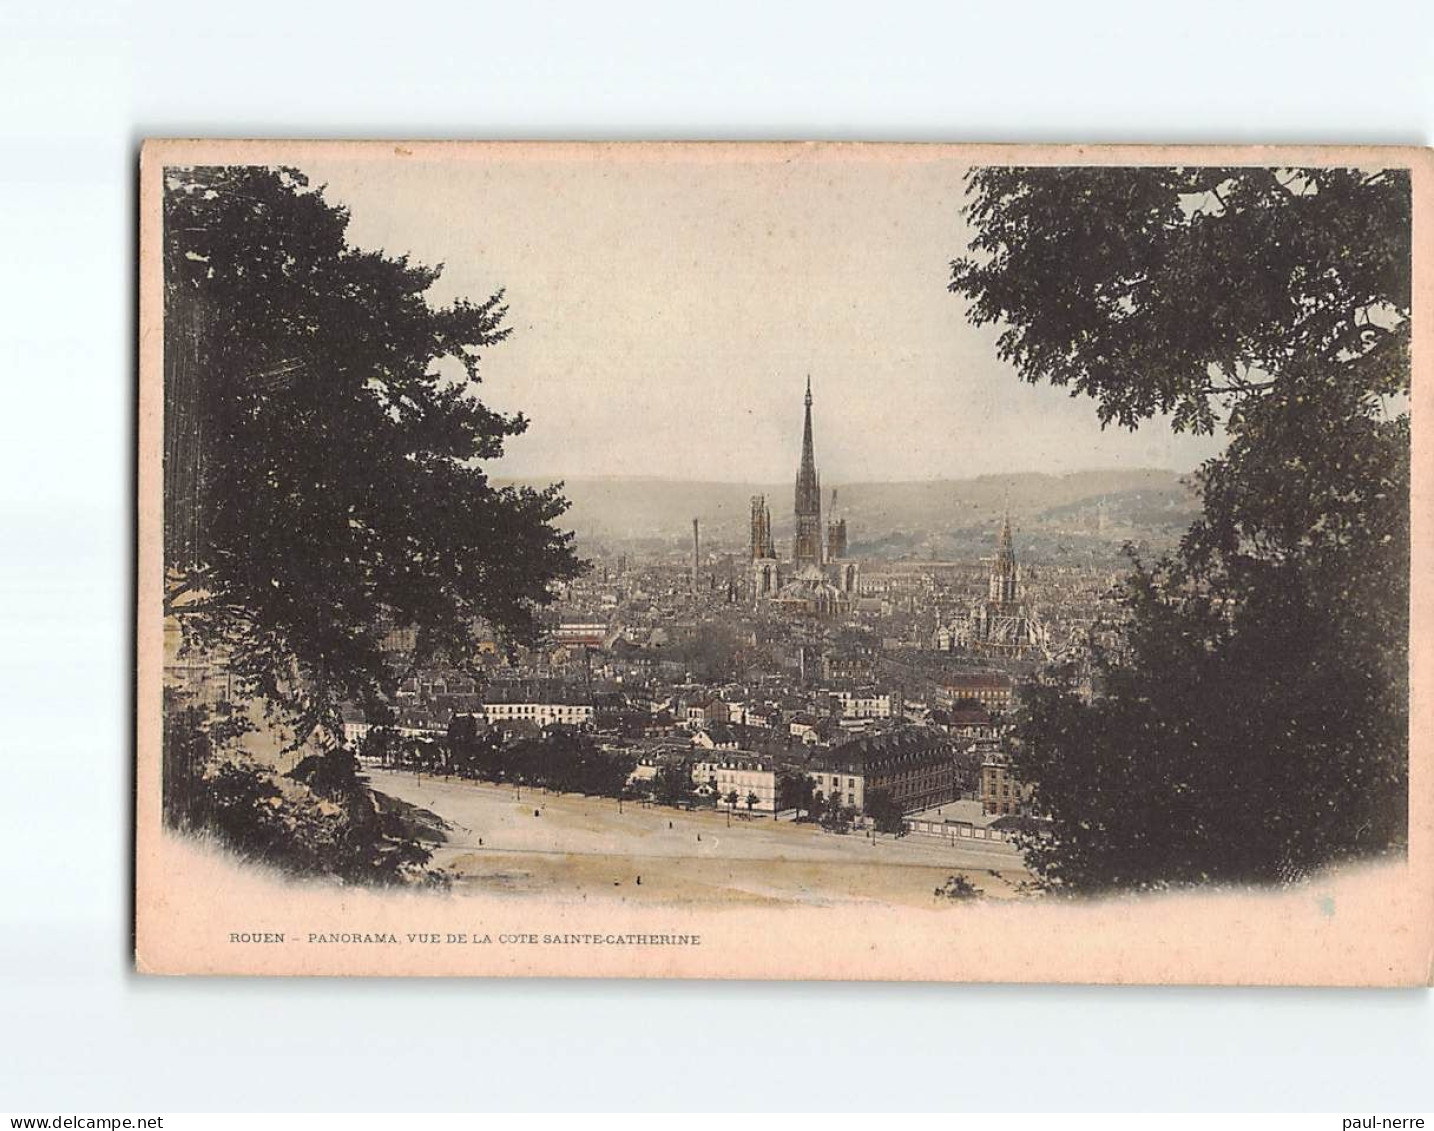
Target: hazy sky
(666, 314)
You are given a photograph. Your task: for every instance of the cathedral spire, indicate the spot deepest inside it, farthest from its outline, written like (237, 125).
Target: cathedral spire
(808, 545)
(808, 470)
(1003, 569)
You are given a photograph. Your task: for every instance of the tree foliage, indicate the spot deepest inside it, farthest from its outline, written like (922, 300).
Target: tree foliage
(836, 817)
(559, 759)
(1161, 290)
(672, 785)
(712, 653)
(1253, 721)
(324, 449)
(795, 791)
(320, 819)
(886, 814)
(193, 735)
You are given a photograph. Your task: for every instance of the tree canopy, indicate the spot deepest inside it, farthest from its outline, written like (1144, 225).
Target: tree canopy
(795, 790)
(324, 449)
(1253, 723)
(672, 785)
(886, 814)
(1162, 290)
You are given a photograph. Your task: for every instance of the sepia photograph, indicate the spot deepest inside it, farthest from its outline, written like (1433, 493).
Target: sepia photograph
(774, 562)
(778, 560)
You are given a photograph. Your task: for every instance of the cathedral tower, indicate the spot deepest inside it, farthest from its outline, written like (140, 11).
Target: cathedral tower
(807, 546)
(1003, 569)
(836, 532)
(762, 545)
(766, 571)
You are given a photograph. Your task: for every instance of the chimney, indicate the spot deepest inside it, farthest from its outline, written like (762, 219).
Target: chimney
(696, 555)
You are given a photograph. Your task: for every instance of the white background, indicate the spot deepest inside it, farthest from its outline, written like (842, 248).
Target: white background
(80, 84)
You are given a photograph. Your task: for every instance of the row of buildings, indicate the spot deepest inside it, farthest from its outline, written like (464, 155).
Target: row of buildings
(917, 769)
(914, 770)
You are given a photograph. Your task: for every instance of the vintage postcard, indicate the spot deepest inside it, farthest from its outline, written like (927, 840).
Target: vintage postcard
(832, 561)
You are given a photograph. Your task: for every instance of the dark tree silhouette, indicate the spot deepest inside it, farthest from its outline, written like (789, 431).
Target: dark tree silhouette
(672, 785)
(323, 449)
(325, 821)
(837, 817)
(795, 791)
(1252, 723)
(885, 812)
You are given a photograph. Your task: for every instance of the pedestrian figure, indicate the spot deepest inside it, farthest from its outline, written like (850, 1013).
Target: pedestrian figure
(639, 881)
(699, 836)
(536, 813)
(669, 824)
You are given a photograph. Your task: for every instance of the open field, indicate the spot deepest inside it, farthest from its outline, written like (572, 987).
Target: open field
(582, 848)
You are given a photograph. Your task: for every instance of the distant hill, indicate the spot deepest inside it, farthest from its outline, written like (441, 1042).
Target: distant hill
(1081, 512)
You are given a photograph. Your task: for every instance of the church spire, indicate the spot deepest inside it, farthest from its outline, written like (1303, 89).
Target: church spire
(1003, 569)
(808, 471)
(808, 545)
